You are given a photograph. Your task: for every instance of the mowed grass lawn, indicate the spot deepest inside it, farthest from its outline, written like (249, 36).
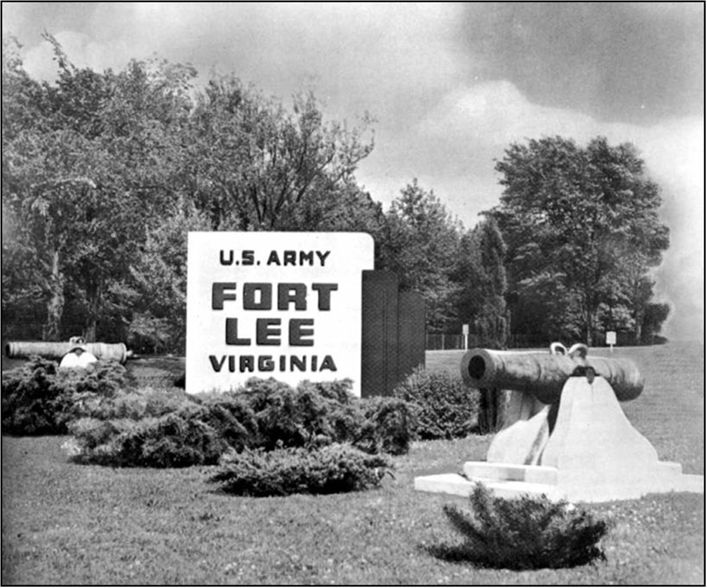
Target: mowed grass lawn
(64, 523)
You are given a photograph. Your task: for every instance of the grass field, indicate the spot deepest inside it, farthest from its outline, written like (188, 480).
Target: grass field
(64, 523)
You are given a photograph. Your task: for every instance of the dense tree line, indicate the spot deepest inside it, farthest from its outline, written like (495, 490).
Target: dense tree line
(103, 175)
(582, 232)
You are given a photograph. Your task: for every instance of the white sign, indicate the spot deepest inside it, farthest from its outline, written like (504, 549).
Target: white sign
(465, 330)
(280, 305)
(611, 337)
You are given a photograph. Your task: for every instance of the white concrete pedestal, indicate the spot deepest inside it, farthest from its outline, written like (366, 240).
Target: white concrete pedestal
(592, 455)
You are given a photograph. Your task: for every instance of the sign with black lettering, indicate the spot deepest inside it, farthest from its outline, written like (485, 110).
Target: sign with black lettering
(280, 305)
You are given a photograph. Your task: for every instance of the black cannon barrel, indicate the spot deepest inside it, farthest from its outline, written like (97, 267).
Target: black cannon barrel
(543, 374)
(57, 349)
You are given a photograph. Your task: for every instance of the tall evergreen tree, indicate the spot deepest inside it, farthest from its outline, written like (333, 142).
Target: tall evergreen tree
(482, 277)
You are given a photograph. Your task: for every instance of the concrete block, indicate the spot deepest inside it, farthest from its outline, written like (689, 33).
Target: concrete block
(444, 484)
(510, 472)
(458, 485)
(691, 483)
(518, 489)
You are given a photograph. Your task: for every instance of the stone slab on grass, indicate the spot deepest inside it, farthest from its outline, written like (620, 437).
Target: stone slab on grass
(458, 485)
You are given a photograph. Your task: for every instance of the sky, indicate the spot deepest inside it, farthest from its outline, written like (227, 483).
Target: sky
(450, 86)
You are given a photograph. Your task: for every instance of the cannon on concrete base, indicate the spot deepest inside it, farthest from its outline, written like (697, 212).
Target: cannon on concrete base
(565, 435)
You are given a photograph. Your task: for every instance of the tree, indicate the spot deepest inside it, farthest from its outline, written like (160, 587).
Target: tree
(26, 277)
(103, 174)
(570, 216)
(481, 274)
(47, 194)
(654, 315)
(86, 161)
(158, 288)
(139, 178)
(255, 165)
(336, 208)
(421, 245)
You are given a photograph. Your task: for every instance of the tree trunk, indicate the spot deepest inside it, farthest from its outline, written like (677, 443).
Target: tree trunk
(90, 331)
(55, 305)
(588, 327)
(94, 304)
(639, 332)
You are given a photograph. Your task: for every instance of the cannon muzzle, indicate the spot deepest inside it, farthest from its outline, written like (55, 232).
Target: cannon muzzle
(544, 375)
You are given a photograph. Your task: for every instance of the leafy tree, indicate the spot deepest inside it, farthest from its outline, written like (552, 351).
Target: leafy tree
(337, 208)
(104, 173)
(582, 229)
(87, 160)
(141, 126)
(255, 165)
(157, 291)
(421, 245)
(48, 195)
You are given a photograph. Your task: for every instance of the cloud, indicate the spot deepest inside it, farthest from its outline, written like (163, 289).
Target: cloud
(81, 50)
(361, 56)
(622, 61)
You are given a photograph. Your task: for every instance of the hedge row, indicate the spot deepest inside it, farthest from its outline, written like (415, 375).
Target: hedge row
(39, 399)
(264, 415)
(315, 437)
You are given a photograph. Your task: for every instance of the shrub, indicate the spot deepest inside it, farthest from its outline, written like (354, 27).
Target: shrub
(234, 420)
(390, 425)
(291, 417)
(523, 533)
(325, 470)
(173, 440)
(446, 408)
(28, 398)
(174, 429)
(328, 413)
(132, 404)
(40, 399)
(96, 432)
(192, 434)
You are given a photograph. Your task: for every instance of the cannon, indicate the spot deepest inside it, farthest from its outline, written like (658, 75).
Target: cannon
(564, 434)
(544, 375)
(57, 350)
